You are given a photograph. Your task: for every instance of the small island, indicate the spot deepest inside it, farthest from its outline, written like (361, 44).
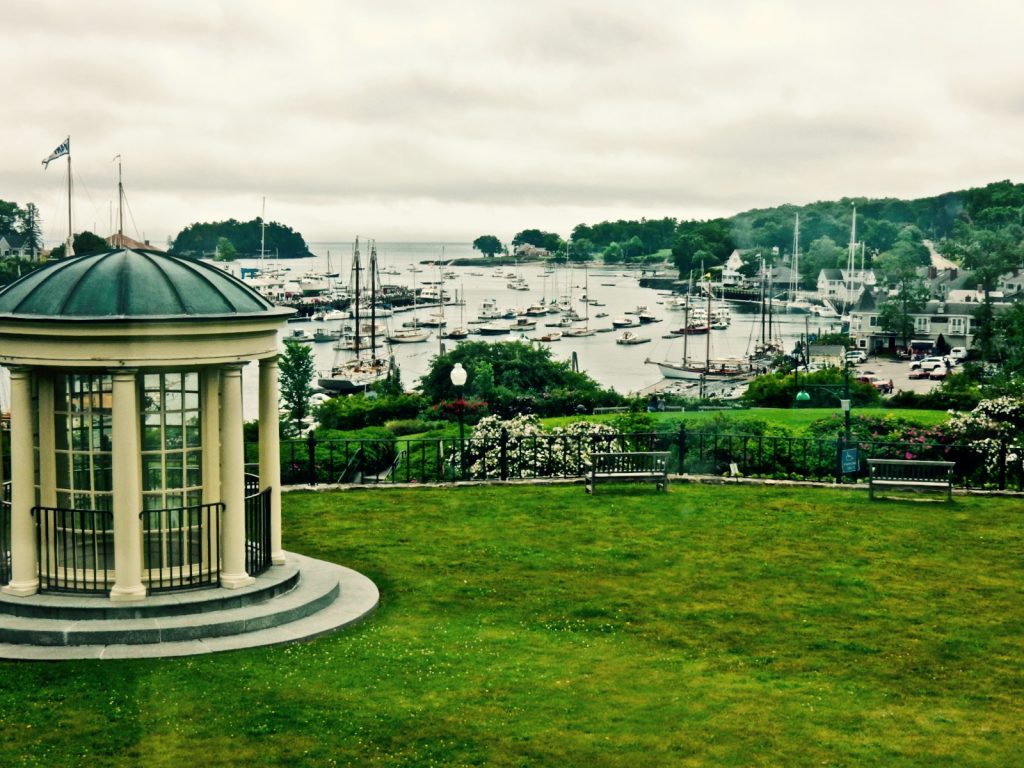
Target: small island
(231, 239)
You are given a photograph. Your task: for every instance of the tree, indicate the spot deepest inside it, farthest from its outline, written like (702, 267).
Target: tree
(900, 265)
(988, 254)
(709, 242)
(632, 249)
(488, 245)
(248, 237)
(581, 250)
(297, 370)
(822, 254)
(549, 241)
(612, 254)
(8, 217)
(225, 250)
(83, 243)
(513, 377)
(30, 227)
(896, 312)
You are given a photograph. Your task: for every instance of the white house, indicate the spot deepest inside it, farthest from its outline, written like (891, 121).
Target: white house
(952, 318)
(17, 245)
(840, 286)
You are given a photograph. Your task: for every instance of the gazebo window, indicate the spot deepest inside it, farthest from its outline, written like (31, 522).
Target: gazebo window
(82, 412)
(82, 538)
(172, 459)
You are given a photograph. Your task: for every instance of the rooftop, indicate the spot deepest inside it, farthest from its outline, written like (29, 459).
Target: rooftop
(130, 283)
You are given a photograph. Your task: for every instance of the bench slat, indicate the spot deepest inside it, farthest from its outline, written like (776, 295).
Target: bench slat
(911, 473)
(628, 466)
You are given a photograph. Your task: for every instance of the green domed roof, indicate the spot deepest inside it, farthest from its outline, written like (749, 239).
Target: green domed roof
(135, 284)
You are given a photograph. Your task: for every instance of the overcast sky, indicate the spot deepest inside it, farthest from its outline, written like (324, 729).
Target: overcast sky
(445, 120)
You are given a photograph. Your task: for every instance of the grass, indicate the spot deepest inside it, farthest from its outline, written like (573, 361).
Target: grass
(533, 625)
(796, 419)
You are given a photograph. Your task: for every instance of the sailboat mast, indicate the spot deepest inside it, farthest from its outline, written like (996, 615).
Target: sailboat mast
(263, 231)
(851, 260)
(373, 300)
(795, 281)
(686, 330)
(355, 314)
(440, 299)
(707, 344)
(586, 293)
(762, 301)
(120, 206)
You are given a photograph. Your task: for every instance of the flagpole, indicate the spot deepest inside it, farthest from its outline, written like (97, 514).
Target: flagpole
(69, 250)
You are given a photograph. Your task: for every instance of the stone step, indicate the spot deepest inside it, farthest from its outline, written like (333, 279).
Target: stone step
(323, 597)
(275, 581)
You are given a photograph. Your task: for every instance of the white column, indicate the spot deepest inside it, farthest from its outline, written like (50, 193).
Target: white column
(24, 560)
(232, 481)
(211, 436)
(47, 441)
(127, 481)
(270, 452)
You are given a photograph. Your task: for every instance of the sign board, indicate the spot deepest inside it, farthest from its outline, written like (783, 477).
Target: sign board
(850, 462)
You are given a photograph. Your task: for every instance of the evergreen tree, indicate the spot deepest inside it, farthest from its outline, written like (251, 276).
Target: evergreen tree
(297, 370)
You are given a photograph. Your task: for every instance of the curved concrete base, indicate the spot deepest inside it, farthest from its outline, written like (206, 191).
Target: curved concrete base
(325, 597)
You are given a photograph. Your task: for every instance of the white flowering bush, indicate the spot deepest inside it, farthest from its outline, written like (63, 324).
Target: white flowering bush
(992, 424)
(532, 452)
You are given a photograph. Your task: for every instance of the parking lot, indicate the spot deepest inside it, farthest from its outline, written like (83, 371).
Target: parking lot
(897, 370)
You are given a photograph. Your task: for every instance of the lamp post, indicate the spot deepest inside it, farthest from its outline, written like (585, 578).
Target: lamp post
(802, 396)
(846, 458)
(458, 377)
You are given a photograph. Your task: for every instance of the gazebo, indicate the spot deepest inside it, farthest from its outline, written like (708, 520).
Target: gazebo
(128, 473)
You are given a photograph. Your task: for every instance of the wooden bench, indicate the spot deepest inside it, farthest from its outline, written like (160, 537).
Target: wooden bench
(912, 474)
(629, 466)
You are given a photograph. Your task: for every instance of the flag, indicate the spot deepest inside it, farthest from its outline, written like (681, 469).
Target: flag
(63, 149)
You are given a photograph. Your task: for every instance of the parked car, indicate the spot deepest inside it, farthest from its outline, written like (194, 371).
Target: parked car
(959, 354)
(927, 363)
(920, 373)
(938, 372)
(885, 386)
(856, 357)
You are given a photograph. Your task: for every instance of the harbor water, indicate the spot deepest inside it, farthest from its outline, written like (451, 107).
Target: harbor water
(613, 292)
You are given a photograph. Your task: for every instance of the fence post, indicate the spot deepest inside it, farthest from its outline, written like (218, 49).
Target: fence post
(1002, 463)
(840, 444)
(311, 446)
(503, 453)
(682, 447)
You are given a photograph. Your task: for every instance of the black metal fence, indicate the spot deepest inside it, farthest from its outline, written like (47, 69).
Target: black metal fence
(5, 534)
(181, 547)
(257, 526)
(75, 549)
(508, 457)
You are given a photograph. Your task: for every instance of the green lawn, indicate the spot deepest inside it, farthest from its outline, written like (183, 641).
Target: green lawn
(537, 626)
(796, 419)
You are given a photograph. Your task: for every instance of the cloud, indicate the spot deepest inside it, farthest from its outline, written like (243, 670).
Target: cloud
(465, 117)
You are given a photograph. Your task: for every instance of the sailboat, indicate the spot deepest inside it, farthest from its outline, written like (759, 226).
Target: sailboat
(794, 303)
(586, 330)
(460, 331)
(365, 367)
(413, 332)
(721, 369)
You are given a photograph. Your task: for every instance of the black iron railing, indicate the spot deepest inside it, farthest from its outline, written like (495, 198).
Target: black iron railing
(257, 526)
(5, 533)
(181, 547)
(508, 457)
(75, 549)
